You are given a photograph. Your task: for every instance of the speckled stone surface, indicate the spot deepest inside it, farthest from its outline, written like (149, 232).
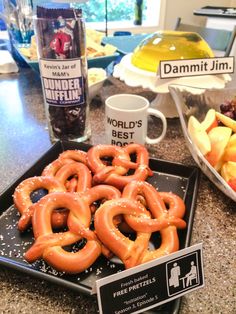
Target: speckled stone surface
(24, 138)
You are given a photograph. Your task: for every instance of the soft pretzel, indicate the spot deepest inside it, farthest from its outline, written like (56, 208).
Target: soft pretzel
(140, 220)
(74, 155)
(65, 158)
(100, 192)
(130, 252)
(90, 196)
(50, 246)
(155, 201)
(51, 169)
(116, 174)
(24, 204)
(166, 219)
(142, 160)
(71, 185)
(80, 183)
(72, 202)
(96, 154)
(81, 171)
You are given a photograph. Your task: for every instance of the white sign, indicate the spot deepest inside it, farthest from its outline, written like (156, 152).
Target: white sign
(151, 284)
(60, 68)
(194, 67)
(62, 80)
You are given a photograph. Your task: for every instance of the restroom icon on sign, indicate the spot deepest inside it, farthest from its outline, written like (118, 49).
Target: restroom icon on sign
(182, 274)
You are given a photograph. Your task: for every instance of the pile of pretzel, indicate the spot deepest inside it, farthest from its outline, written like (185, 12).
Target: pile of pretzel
(98, 198)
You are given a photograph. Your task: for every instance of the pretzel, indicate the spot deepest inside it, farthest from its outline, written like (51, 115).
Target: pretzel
(155, 201)
(49, 245)
(116, 174)
(24, 203)
(142, 170)
(130, 252)
(81, 183)
(96, 153)
(164, 220)
(96, 193)
(51, 169)
(66, 157)
(74, 155)
(71, 185)
(100, 192)
(72, 201)
(80, 170)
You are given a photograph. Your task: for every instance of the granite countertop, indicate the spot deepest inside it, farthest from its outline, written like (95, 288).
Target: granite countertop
(24, 138)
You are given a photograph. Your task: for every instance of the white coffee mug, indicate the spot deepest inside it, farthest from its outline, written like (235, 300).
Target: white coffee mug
(127, 120)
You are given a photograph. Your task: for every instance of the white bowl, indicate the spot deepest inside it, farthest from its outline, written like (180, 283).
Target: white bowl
(96, 78)
(192, 101)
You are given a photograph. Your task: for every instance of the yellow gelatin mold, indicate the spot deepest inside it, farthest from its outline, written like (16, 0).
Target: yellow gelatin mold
(169, 45)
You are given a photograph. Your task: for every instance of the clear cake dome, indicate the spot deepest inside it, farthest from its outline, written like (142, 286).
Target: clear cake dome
(169, 45)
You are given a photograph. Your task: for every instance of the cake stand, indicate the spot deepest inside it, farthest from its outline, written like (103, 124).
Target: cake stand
(133, 76)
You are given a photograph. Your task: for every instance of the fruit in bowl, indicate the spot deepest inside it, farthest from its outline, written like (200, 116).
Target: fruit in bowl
(208, 124)
(228, 108)
(216, 141)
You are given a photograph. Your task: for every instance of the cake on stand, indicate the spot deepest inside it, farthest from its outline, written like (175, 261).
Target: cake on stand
(134, 77)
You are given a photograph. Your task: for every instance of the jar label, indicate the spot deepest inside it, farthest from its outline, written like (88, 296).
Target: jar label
(63, 81)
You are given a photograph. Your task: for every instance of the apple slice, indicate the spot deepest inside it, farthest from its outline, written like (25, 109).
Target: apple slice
(199, 135)
(219, 138)
(210, 120)
(228, 170)
(226, 121)
(230, 151)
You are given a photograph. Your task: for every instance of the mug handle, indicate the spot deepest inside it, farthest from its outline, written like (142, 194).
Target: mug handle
(158, 114)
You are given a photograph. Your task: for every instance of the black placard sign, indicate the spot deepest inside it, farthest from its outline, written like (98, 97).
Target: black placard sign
(153, 283)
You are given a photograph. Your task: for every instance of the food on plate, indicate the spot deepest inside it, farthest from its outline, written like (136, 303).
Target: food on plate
(228, 172)
(94, 48)
(96, 75)
(136, 252)
(230, 150)
(31, 51)
(219, 138)
(78, 170)
(64, 158)
(210, 120)
(115, 174)
(218, 130)
(49, 245)
(169, 45)
(199, 135)
(94, 35)
(91, 188)
(94, 45)
(232, 183)
(228, 108)
(23, 202)
(227, 121)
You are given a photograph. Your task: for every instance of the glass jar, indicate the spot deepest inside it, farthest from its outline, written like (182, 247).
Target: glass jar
(63, 70)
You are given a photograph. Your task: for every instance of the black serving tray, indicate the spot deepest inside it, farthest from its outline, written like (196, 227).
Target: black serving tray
(168, 176)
